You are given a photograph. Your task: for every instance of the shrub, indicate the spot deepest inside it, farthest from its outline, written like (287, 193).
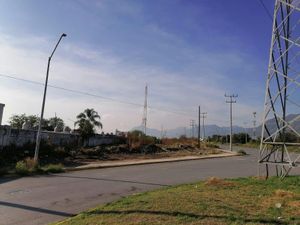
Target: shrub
(26, 166)
(30, 163)
(241, 152)
(211, 145)
(21, 168)
(53, 168)
(137, 139)
(60, 152)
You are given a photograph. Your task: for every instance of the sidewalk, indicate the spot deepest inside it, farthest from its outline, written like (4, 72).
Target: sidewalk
(108, 164)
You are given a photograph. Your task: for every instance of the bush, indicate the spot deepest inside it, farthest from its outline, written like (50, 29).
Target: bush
(54, 168)
(26, 166)
(137, 139)
(30, 163)
(21, 168)
(60, 152)
(211, 145)
(241, 152)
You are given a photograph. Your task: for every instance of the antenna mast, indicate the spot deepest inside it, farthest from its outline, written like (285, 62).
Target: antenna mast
(144, 121)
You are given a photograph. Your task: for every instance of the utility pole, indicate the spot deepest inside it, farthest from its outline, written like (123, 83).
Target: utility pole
(162, 132)
(199, 121)
(245, 130)
(144, 121)
(254, 125)
(230, 100)
(226, 138)
(203, 116)
(194, 128)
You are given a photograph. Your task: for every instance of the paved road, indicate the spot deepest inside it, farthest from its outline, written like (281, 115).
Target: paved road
(44, 199)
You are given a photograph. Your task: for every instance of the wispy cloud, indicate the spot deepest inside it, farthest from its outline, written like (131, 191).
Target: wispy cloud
(167, 91)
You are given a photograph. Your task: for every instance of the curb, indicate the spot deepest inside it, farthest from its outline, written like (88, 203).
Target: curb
(151, 161)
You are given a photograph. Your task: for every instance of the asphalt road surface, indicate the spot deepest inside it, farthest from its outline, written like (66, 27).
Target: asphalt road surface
(44, 199)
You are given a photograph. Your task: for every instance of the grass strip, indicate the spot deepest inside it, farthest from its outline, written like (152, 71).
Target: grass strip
(214, 201)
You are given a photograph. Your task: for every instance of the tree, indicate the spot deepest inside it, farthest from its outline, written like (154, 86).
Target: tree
(56, 122)
(17, 121)
(240, 138)
(136, 133)
(33, 120)
(87, 121)
(134, 137)
(215, 138)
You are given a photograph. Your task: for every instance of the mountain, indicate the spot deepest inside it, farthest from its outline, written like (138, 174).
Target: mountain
(271, 124)
(177, 132)
(215, 129)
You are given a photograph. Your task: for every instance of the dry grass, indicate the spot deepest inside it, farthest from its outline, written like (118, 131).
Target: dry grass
(294, 204)
(167, 151)
(215, 181)
(284, 194)
(30, 163)
(174, 141)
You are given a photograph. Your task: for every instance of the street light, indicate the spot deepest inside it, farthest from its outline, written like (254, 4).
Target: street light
(38, 136)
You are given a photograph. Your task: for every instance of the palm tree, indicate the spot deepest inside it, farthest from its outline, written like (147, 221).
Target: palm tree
(87, 121)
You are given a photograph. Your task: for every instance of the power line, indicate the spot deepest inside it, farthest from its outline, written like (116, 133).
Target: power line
(95, 95)
(266, 9)
(106, 98)
(70, 90)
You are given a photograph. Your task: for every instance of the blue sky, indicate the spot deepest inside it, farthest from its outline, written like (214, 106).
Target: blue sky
(190, 52)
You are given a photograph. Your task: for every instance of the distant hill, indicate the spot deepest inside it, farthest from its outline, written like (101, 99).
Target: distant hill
(209, 130)
(215, 129)
(271, 124)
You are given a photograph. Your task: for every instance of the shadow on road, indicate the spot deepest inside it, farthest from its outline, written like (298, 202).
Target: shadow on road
(8, 179)
(186, 214)
(110, 180)
(36, 209)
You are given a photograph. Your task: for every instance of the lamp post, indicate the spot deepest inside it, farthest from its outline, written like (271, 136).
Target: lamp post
(38, 136)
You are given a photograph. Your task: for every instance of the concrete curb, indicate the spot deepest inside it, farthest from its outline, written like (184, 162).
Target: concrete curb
(148, 161)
